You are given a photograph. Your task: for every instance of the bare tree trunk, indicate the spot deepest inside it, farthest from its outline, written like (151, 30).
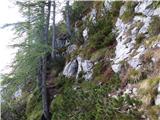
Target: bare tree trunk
(68, 18)
(53, 32)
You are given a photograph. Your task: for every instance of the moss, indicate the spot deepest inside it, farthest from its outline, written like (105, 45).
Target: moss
(129, 13)
(154, 28)
(34, 106)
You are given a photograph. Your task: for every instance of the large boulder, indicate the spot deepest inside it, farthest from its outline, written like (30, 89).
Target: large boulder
(85, 66)
(70, 70)
(77, 66)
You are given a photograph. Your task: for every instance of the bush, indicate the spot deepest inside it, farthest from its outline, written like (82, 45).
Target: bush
(100, 34)
(129, 13)
(91, 102)
(78, 9)
(154, 28)
(116, 5)
(140, 38)
(34, 106)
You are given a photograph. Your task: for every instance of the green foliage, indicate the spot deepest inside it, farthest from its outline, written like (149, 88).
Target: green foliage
(154, 28)
(90, 102)
(100, 34)
(129, 13)
(61, 28)
(78, 8)
(13, 110)
(116, 5)
(34, 106)
(155, 4)
(98, 69)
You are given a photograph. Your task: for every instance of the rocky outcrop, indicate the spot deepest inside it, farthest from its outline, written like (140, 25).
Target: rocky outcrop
(126, 48)
(77, 66)
(85, 33)
(70, 70)
(71, 48)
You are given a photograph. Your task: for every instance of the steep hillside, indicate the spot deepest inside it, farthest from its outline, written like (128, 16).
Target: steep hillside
(116, 67)
(108, 69)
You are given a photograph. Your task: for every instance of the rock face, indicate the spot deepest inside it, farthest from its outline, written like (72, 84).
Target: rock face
(85, 66)
(70, 69)
(126, 49)
(85, 34)
(73, 68)
(71, 48)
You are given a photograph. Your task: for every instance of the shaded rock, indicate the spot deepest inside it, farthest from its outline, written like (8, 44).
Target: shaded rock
(93, 14)
(71, 48)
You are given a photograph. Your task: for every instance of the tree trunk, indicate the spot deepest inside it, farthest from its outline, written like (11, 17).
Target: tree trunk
(47, 22)
(45, 101)
(53, 33)
(68, 18)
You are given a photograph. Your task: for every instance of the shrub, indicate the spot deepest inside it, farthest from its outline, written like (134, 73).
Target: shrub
(116, 5)
(91, 102)
(155, 4)
(78, 9)
(140, 38)
(100, 34)
(34, 106)
(129, 13)
(154, 28)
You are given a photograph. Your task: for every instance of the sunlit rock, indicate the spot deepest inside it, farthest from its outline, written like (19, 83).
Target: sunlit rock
(135, 61)
(108, 5)
(71, 68)
(85, 33)
(85, 66)
(142, 8)
(157, 100)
